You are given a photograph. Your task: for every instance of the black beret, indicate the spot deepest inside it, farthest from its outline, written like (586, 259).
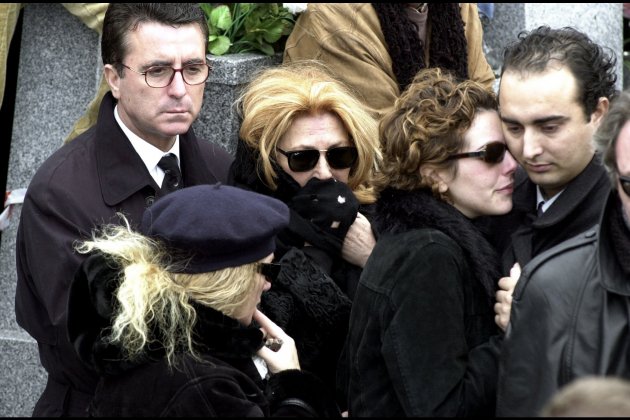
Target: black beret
(218, 225)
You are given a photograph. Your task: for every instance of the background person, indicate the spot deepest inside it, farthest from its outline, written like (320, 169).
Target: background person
(422, 314)
(111, 168)
(377, 48)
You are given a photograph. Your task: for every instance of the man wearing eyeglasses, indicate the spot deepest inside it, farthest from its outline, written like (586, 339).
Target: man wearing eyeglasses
(141, 148)
(571, 312)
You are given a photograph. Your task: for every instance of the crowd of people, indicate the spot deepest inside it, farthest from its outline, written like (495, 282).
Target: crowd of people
(391, 238)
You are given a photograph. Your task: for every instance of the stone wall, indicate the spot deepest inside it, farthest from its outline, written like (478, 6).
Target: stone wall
(58, 76)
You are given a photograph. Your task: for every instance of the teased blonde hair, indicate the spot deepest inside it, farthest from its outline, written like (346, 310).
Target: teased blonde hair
(280, 94)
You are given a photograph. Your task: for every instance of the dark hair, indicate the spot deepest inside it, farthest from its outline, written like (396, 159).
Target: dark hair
(426, 125)
(592, 66)
(607, 134)
(122, 18)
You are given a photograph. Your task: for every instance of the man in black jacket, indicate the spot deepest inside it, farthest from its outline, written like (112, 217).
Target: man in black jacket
(571, 310)
(154, 58)
(556, 85)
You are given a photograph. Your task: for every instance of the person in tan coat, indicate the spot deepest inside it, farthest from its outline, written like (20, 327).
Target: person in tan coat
(378, 48)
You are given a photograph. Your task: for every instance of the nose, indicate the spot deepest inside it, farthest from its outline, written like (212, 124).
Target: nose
(322, 170)
(531, 145)
(177, 88)
(509, 164)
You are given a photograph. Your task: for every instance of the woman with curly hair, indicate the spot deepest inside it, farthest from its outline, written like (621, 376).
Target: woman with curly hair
(423, 312)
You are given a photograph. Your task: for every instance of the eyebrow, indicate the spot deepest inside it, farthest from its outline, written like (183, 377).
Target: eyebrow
(163, 63)
(539, 121)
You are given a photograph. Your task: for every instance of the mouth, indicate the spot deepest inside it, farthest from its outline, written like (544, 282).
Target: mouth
(507, 189)
(538, 167)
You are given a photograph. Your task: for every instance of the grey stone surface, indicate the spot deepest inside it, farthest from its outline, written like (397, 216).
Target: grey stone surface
(57, 78)
(217, 121)
(601, 21)
(22, 378)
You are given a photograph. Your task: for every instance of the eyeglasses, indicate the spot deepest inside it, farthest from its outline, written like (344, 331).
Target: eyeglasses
(162, 76)
(492, 153)
(625, 184)
(269, 270)
(305, 160)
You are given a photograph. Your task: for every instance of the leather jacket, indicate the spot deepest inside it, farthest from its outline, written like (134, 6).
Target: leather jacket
(570, 316)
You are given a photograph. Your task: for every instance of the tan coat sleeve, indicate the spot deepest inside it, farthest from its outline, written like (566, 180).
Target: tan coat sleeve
(478, 68)
(348, 39)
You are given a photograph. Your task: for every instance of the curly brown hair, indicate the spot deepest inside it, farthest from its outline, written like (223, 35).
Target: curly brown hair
(426, 125)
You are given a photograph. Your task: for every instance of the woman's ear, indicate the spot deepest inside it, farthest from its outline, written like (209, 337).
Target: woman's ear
(434, 177)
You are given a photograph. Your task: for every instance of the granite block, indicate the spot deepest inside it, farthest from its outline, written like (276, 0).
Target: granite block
(23, 379)
(601, 21)
(218, 121)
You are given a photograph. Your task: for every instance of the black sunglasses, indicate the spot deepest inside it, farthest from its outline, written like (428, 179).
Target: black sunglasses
(305, 160)
(492, 153)
(269, 270)
(625, 184)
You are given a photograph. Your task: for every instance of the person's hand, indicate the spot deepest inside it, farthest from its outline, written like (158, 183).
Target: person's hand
(504, 297)
(359, 241)
(285, 357)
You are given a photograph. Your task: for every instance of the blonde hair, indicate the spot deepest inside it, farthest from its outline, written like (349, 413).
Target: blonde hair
(153, 300)
(278, 95)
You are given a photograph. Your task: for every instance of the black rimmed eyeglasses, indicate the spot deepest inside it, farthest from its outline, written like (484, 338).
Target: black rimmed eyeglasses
(269, 270)
(162, 76)
(305, 160)
(492, 153)
(625, 184)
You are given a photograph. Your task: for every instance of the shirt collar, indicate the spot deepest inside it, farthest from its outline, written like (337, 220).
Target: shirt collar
(149, 154)
(546, 203)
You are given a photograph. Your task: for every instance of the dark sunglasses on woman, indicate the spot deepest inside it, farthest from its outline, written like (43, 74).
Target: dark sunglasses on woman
(305, 160)
(492, 153)
(269, 270)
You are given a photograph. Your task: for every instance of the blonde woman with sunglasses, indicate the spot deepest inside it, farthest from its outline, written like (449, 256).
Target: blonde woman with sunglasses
(306, 140)
(423, 311)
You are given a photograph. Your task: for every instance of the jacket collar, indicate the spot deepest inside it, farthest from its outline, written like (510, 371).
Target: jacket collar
(575, 193)
(613, 277)
(121, 170)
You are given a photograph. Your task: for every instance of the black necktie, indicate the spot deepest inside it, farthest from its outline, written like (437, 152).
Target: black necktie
(172, 175)
(540, 208)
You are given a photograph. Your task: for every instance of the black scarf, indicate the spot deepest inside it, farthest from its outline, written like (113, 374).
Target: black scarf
(399, 211)
(447, 48)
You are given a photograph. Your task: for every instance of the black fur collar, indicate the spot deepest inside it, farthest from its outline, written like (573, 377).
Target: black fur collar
(399, 211)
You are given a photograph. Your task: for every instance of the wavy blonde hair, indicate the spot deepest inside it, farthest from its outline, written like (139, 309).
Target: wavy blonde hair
(426, 125)
(153, 300)
(278, 95)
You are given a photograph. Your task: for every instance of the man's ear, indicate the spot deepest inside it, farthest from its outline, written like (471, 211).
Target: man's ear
(603, 104)
(113, 79)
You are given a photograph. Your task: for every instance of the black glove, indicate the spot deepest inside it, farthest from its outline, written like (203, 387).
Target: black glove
(329, 204)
